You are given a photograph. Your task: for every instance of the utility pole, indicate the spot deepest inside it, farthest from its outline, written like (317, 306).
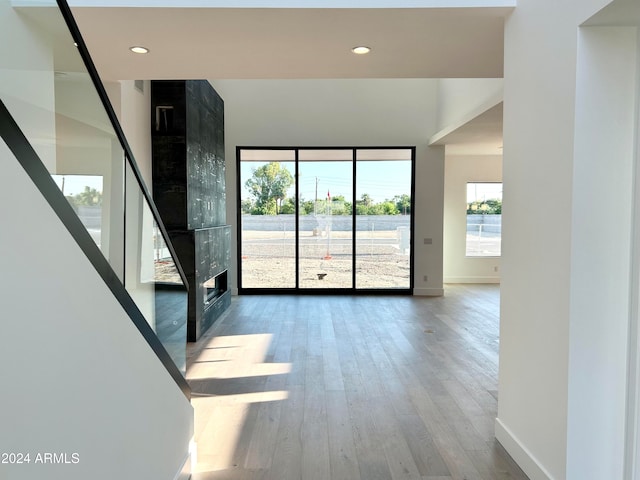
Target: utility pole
(315, 203)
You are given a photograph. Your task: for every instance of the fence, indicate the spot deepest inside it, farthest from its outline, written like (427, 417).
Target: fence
(337, 223)
(484, 224)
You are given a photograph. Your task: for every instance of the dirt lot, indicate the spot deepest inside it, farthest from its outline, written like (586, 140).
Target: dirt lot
(268, 260)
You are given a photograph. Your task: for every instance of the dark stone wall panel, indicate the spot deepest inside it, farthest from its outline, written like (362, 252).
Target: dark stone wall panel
(214, 312)
(189, 187)
(169, 179)
(188, 149)
(183, 242)
(206, 206)
(213, 247)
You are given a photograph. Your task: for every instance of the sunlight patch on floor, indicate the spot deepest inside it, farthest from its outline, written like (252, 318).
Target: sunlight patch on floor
(220, 410)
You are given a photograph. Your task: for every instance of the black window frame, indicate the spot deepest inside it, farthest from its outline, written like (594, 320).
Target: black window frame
(324, 291)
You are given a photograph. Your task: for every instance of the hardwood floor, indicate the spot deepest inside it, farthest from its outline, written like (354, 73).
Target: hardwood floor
(347, 388)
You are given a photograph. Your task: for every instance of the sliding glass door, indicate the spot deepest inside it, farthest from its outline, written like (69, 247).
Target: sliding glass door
(383, 218)
(333, 219)
(268, 225)
(325, 232)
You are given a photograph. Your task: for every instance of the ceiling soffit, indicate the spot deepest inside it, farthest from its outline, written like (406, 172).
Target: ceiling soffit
(242, 43)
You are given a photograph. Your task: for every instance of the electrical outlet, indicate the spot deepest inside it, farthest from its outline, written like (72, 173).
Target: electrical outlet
(495, 269)
(425, 278)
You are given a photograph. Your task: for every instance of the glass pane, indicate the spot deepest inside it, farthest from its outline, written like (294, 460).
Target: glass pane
(383, 221)
(326, 223)
(484, 219)
(151, 276)
(48, 91)
(85, 193)
(267, 193)
(325, 219)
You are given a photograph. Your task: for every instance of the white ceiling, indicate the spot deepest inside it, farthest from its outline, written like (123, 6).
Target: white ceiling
(303, 43)
(481, 135)
(617, 13)
(254, 43)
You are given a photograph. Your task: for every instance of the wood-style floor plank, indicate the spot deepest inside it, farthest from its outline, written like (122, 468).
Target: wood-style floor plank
(342, 450)
(351, 388)
(315, 434)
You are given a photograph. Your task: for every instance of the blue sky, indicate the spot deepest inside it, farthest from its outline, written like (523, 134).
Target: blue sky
(74, 184)
(484, 191)
(380, 179)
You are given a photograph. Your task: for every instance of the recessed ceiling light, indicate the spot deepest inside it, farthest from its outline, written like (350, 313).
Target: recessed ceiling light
(360, 50)
(138, 49)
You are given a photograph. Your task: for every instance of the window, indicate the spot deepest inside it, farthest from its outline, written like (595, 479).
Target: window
(484, 219)
(325, 218)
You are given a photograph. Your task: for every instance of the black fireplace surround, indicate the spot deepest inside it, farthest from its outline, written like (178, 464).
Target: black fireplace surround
(187, 119)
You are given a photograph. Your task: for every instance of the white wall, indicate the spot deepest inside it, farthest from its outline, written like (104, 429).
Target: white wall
(539, 112)
(114, 92)
(462, 99)
(27, 86)
(77, 376)
(133, 109)
(601, 251)
(458, 171)
(344, 113)
(135, 119)
(86, 144)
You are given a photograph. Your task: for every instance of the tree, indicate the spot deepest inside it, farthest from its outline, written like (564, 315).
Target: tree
(364, 205)
(389, 208)
(89, 197)
(288, 206)
(306, 207)
(269, 207)
(365, 200)
(403, 203)
(362, 209)
(246, 206)
(339, 206)
(485, 207)
(268, 186)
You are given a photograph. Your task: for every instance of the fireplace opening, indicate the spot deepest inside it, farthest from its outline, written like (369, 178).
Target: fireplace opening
(214, 288)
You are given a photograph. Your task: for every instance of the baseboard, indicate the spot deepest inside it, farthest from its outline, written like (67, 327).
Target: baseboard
(523, 457)
(428, 292)
(472, 280)
(185, 471)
